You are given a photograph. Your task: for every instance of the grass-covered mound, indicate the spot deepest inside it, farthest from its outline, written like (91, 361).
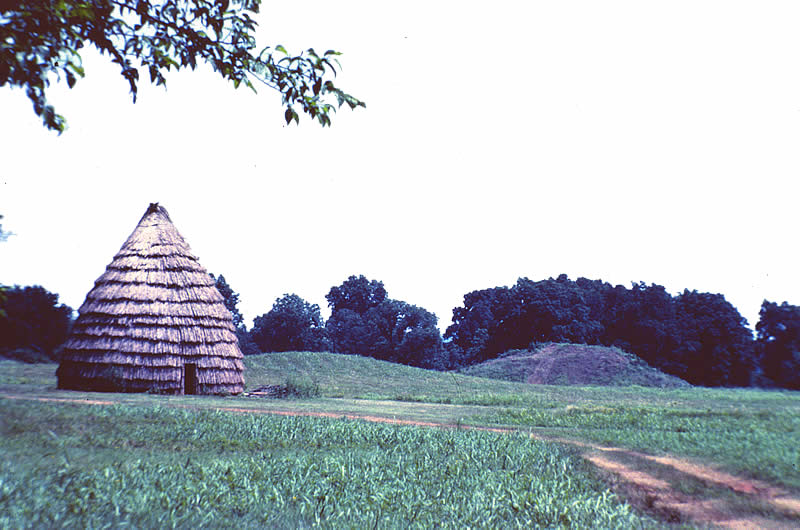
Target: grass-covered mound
(574, 364)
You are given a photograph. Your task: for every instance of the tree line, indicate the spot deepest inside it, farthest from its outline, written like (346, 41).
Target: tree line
(363, 321)
(699, 337)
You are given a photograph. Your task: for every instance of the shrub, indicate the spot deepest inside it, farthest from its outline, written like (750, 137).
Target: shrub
(302, 386)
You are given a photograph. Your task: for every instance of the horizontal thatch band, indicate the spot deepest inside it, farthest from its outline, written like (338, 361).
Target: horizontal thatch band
(94, 319)
(157, 373)
(132, 308)
(130, 361)
(161, 278)
(155, 251)
(138, 292)
(167, 263)
(78, 345)
(179, 335)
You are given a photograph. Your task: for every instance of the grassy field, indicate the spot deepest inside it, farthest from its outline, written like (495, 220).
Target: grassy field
(67, 465)
(752, 433)
(747, 431)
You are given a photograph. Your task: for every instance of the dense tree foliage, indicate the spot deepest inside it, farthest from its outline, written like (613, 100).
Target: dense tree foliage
(39, 40)
(365, 321)
(34, 324)
(499, 319)
(699, 337)
(779, 343)
(291, 325)
(231, 299)
(246, 344)
(715, 345)
(356, 294)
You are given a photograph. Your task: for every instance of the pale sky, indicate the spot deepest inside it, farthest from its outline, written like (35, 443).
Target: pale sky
(622, 141)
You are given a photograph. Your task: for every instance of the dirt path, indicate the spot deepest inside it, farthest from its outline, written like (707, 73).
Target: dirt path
(648, 482)
(652, 492)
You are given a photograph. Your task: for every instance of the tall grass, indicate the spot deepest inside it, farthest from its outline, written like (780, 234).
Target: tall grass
(77, 466)
(756, 442)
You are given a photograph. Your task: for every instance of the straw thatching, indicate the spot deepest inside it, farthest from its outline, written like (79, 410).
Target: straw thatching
(154, 321)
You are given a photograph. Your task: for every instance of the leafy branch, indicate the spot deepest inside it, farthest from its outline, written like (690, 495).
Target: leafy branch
(39, 39)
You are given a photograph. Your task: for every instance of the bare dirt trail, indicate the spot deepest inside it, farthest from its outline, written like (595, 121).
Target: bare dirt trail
(655, 494)
(637, 483)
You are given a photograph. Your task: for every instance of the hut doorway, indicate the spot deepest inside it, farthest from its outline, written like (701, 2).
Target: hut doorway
(190, 379)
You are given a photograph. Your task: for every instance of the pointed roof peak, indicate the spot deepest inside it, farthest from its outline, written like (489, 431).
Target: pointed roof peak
(156, 209)
(156, 235)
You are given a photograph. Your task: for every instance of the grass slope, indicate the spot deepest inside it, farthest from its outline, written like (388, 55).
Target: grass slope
(574, 364)
(352, 376)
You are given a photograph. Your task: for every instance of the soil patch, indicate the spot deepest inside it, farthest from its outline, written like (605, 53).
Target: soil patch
(658, 496)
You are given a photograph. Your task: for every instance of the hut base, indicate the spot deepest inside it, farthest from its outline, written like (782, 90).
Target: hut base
(73, 380)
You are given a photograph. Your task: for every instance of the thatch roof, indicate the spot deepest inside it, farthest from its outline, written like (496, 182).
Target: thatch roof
(154, 321)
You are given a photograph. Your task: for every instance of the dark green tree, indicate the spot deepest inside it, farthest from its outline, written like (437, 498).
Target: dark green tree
(357, 293)
(349, 332)
(778, 331)
(231, 299)
(364, 321)
(496, 320)
(552, 310)
(35, 324)
(246, 343)
(415, 337)
(291, 325)
(642, 320)
(475, 324)
(715, 345)
(40, 40)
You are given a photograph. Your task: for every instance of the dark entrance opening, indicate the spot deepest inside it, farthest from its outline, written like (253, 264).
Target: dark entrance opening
(190, 379)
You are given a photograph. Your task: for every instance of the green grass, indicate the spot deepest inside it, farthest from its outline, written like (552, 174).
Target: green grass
(356, 377)
(554, 363)
(64, 465)
(749, 440)
(14, 373)
(746, 431)
(353, 376)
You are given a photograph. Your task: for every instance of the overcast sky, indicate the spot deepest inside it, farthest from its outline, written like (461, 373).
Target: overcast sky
(622, 141)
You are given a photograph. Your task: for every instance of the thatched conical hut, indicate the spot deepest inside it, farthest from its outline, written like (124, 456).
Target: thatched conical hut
(154, 321)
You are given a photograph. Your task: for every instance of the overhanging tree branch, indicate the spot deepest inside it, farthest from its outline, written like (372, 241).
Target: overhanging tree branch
(38, 39)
